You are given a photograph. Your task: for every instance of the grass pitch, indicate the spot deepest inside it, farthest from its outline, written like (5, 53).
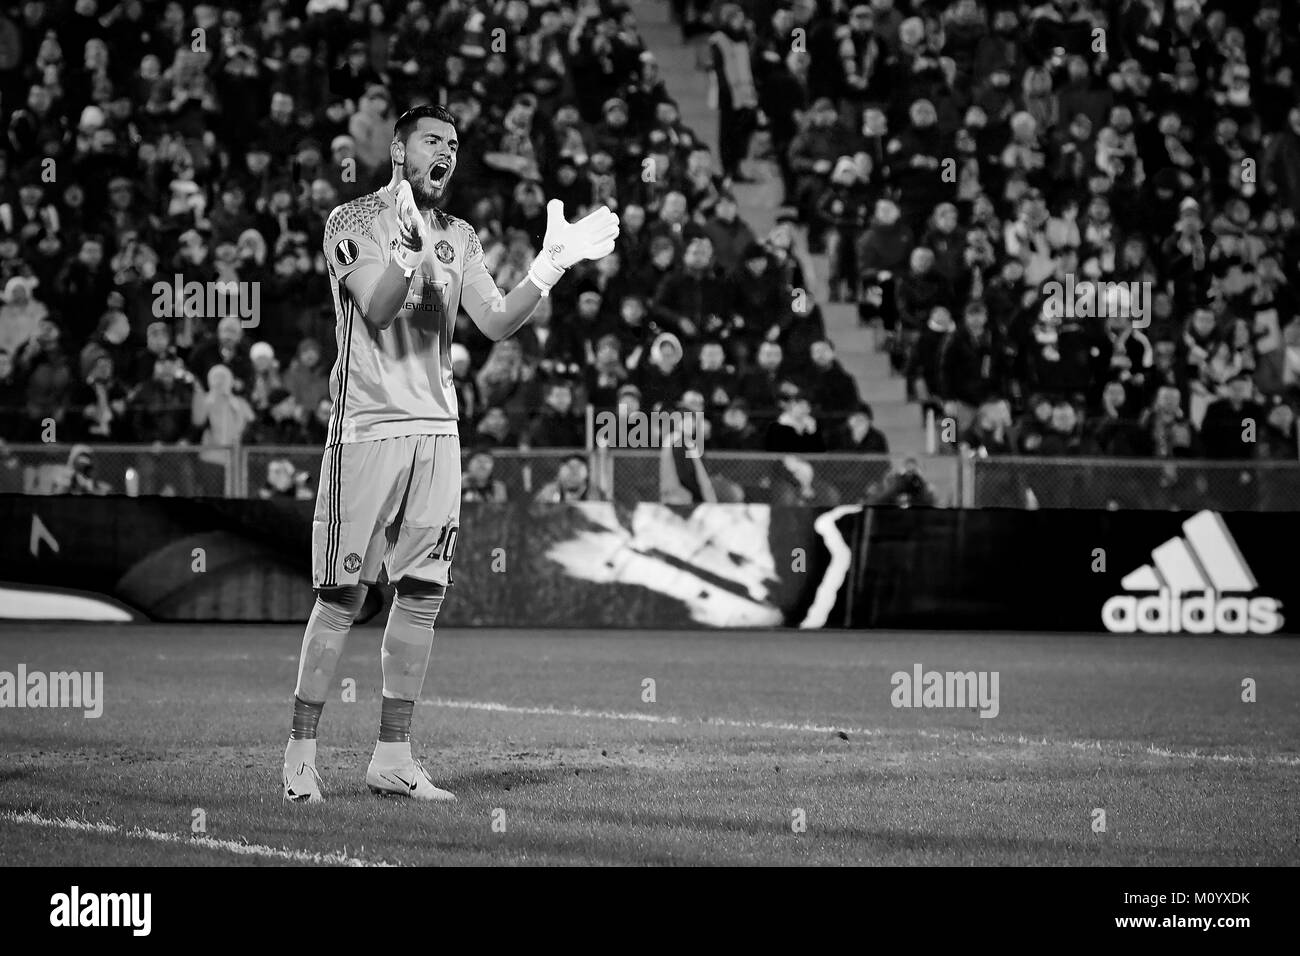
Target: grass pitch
(558, 758)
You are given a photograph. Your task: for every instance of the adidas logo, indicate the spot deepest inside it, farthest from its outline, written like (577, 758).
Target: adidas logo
(1196, 584)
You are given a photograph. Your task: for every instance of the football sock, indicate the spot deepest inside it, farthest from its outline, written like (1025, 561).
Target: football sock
(408, 640)
(323, 642)
(306, 715)
(393, 753)
(395, 720)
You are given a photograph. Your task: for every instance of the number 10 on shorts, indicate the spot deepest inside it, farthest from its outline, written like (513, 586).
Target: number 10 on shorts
(446, 543)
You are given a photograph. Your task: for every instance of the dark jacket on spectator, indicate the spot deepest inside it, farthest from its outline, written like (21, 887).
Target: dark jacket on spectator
(968, 367)
(1111, 437)
(162, 412)
(784, 437)
(550, 429)
(1225, 424)
(832, 390)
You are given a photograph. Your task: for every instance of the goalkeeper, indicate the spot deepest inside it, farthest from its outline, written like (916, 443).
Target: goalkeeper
(389, 494)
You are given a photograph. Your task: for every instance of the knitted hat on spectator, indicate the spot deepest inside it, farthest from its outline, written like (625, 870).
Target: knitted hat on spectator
(261, 350)
(277, 395)
(754, 250)
(12, 286)
(459, 353)
(92, 118)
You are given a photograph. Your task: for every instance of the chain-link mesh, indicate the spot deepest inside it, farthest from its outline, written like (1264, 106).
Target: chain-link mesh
(1137, 484)
(1000, 482)
(522, 472)
(764, 477)
(182, 471)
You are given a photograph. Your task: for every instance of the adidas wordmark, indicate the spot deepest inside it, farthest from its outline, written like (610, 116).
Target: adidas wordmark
(1195, 584)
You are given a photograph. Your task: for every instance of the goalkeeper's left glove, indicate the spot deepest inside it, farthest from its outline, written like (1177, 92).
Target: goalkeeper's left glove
(410, 249)
(566, 243)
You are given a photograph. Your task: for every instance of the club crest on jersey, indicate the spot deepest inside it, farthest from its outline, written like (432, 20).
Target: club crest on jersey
(346, 251)
(352, 563)
(444, 252)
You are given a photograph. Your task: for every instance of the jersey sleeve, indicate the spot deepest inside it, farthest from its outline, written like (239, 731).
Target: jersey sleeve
(353, 249)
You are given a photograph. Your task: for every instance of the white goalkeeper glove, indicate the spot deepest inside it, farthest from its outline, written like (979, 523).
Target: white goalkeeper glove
(410, 250)
(567, 243)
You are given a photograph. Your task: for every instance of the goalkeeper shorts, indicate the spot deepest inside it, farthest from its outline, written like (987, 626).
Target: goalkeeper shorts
(394, 504)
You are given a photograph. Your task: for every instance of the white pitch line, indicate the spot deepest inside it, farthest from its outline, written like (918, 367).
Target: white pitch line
(789, 726)
(649, 718)
(335, 858)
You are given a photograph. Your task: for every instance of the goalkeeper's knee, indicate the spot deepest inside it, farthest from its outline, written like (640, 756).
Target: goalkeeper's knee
(339, 606)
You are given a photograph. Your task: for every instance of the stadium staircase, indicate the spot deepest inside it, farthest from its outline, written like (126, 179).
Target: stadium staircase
(759, 201)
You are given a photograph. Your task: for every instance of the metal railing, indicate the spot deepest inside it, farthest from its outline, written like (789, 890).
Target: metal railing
(629, 476)
(182, 471)
(1131, 484)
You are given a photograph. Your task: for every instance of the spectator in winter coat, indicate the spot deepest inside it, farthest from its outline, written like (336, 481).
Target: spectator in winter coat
(694, 301)
(729, 234)
(229, 349)
(832, 390)
(990, 433)
(969, 366)
(921, 290)
(1115, 432)
(558, 426)
(1232, 425)
(306, 379)
(759, 386)
(736, 433)
(795, 429)
(922, 369)
(1279, 441)
(858, 434)
(662, 376)
(48, 377)
(162, 408)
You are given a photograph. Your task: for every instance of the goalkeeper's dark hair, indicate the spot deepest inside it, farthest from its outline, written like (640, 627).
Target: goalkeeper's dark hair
(407, 122)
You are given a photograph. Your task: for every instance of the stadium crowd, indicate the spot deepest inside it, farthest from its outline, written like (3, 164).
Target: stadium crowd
(955, 159)
(951, 158)
(149, 147)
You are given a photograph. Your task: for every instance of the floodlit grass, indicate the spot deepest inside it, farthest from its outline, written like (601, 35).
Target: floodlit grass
(745, 731)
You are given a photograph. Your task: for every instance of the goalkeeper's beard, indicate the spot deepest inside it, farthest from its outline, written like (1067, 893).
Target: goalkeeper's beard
(425, 196)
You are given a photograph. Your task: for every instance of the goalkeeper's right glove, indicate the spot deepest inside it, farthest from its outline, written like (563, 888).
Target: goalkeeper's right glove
(410, 247)
(567, 243)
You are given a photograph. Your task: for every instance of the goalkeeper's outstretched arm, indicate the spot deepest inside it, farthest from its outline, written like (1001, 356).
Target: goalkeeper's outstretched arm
(566, 243)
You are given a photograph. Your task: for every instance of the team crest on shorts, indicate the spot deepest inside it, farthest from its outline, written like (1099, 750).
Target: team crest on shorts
(352, 563)
(346, 251)
(444, 252)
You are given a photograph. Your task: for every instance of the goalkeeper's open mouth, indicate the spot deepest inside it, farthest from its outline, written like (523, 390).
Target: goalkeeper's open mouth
(438, 174)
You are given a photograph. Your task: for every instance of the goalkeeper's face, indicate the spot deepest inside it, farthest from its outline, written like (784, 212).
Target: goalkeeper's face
(430, 161)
